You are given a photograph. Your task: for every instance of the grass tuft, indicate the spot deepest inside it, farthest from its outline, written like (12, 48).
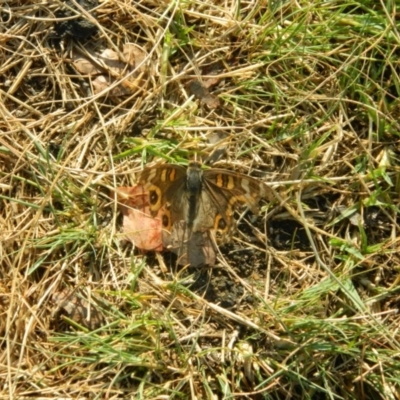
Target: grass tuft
(303, 302)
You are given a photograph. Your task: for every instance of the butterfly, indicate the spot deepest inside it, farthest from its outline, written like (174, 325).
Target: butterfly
(202, 199)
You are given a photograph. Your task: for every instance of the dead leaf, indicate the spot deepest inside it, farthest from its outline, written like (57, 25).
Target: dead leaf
(200, 91)
(85, 66)
(138, 226)
(78, 309)
(216, 138)
(210, 82)
(102, 82)
(135, 56)
(109, 67)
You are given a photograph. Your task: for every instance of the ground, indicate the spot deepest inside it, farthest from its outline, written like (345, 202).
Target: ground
(303, 299)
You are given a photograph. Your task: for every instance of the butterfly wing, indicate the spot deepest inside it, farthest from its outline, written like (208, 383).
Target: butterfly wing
(238, 188)
(166, 187)
(228, 190)
(194, 248)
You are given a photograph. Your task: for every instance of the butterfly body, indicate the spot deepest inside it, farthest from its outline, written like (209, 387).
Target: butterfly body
(203, 199)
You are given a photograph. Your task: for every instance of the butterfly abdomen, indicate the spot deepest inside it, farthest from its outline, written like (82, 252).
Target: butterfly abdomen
(194, 186)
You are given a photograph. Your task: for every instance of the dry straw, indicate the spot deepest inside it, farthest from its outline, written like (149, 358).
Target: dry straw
(303, 303)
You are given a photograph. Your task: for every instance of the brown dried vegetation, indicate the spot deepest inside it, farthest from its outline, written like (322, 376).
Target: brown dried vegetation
(303, 302)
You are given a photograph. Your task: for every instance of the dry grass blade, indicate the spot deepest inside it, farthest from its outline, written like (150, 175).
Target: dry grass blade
(303, 302)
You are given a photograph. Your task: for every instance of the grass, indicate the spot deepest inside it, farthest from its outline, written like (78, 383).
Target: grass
(304, 300)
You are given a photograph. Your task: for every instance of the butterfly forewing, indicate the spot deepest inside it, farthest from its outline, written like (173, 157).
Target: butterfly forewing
(163, 183)
(237, 188)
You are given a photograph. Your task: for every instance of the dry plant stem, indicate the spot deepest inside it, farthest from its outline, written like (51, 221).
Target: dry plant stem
(303, 302)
